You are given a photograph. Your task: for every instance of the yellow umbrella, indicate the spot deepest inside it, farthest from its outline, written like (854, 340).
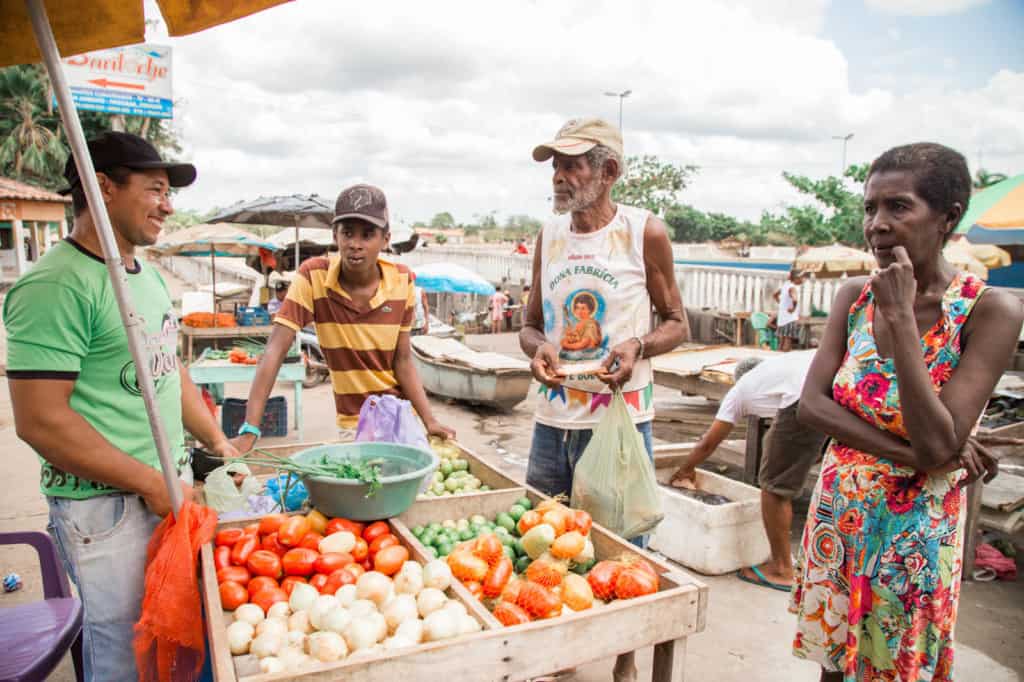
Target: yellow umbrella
(86, 25)
(835, 261)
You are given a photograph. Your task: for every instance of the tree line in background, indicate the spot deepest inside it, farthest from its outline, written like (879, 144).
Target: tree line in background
(33, 149)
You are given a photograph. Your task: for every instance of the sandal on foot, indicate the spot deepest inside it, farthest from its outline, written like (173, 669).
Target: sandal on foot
(762, 581)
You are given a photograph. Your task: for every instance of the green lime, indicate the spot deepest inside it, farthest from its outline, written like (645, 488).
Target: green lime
(428, 536)
(431, 551)
(445, 548)
(461, 524)
(525, 503)
(522, 563)
(446, 468)
(508, 541)
(520, 550)
(484, 488)
(418, 531)
(506, 521)
(583, 567)
(460, 465)
(509, 552)
(516, 511)
(435, 526)
(477, 519)
(466, 534)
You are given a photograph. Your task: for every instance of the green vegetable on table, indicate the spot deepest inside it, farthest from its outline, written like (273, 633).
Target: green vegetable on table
(326, 466)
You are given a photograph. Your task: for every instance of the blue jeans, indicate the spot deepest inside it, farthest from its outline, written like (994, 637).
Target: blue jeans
(554, 453)
(102, 543)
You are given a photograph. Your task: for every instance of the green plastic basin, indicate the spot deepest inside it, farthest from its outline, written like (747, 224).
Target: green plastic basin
(403, 472)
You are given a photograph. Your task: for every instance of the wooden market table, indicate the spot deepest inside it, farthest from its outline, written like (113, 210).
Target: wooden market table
(190, 334)
(207, 371)
(663, 620)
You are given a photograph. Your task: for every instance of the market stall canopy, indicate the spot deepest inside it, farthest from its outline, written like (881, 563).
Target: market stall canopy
(451, 278)
(996, 214)
(86, 25)
(835, 261)
(292, 210)
(216, 240)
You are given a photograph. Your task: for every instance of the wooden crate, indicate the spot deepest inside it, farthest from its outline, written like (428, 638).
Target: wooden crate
(662, 620)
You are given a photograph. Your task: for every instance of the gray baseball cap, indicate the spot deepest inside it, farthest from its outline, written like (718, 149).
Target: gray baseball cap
(364, 202)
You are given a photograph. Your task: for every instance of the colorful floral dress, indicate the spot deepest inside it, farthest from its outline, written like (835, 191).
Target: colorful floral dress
(880, 559)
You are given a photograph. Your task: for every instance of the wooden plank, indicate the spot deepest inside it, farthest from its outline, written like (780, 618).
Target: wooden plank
(216, 629)
(457, 590)
(1005, 493)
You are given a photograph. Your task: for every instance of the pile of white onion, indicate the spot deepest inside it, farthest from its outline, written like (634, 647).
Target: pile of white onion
(375, 615)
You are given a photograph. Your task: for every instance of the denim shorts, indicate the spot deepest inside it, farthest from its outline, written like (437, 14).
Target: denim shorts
(554, 453)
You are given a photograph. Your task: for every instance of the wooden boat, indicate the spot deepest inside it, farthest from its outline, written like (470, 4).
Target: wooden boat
(449, 369)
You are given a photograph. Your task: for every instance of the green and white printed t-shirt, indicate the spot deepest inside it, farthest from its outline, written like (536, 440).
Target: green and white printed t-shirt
(63, 323)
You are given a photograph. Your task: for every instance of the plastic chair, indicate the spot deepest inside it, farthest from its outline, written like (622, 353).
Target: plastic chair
(765, 335)
(36, 636)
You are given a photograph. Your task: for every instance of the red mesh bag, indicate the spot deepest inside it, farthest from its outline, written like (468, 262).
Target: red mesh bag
(169, 637)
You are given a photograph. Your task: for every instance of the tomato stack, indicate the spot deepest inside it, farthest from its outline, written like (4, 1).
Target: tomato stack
(262, 562)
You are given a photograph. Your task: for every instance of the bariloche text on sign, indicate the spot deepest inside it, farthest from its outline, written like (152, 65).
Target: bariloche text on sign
(133, 80)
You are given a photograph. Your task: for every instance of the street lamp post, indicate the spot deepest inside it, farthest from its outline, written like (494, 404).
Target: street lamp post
(621, 95)
(845, 139)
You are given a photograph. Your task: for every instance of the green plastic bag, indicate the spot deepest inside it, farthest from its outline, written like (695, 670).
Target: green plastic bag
(614, 480)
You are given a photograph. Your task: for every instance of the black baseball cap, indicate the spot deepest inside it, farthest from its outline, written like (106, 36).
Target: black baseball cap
(112, 149)
(281, 286)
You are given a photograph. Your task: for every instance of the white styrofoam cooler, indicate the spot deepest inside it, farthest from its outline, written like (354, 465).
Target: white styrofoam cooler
(711, 539)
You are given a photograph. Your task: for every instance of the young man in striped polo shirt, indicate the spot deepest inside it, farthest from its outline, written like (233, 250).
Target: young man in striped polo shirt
(363, 310)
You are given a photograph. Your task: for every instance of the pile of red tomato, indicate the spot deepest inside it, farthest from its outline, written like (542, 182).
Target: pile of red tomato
(262, 562)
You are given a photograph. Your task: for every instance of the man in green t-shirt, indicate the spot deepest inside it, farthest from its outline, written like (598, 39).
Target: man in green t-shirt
(77, 402)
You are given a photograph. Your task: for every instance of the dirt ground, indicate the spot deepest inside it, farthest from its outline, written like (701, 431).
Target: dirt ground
(748, 630)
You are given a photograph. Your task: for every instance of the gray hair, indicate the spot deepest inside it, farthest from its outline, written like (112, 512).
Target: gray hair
(744, 366)
(599, 154)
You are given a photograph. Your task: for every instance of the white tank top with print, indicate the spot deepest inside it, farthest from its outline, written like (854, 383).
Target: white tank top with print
(594, 296)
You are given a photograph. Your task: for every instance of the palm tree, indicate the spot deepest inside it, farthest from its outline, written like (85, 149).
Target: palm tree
(31, 148)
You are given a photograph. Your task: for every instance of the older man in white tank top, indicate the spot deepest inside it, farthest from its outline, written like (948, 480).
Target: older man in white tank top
(597, 268)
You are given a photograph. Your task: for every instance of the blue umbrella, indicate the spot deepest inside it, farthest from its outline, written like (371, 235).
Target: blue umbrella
(451, 278)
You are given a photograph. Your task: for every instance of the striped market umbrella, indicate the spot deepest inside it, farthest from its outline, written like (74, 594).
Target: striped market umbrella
(996, 214)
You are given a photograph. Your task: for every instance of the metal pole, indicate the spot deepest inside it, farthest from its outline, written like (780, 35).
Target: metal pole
(845, 139)
(115, 266)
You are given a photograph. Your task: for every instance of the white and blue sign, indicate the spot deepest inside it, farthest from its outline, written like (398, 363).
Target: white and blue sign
(133, 80)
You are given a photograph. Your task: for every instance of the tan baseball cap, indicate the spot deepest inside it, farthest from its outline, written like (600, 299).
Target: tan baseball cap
(579, 136)
(365, 202)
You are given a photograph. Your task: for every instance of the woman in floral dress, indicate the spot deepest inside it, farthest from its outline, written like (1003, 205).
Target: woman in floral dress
(907, 363)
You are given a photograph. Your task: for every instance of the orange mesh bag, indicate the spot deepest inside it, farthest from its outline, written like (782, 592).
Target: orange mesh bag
(169, 644)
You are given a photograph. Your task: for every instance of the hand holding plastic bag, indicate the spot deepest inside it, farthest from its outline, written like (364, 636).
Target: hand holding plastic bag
(614, 479)
(223, 494)
(387, 419)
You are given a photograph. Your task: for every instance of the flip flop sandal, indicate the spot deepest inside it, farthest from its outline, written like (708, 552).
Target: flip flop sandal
(762, 581)
(984, 575)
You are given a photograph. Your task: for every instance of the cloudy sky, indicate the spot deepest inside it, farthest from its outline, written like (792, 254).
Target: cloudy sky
(440, 103)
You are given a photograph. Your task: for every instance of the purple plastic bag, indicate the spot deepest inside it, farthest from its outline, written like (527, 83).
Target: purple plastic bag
(387, 419)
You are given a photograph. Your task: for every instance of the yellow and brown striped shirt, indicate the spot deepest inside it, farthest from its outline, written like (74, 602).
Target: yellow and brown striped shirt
(359, 345)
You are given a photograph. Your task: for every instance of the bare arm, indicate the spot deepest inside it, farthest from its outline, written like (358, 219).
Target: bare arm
(426, 312)
(705, 447)
(820, 412)
(45, 420)
(274, 354)
(199, 421)
(673, 327)
(543, 356)
(938, 424)
(412, 388)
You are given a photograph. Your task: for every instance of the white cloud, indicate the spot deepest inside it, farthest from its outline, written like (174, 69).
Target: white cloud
(924, 8)
(441, 105)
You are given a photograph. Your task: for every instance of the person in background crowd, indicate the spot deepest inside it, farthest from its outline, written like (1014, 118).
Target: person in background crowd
(421, 318)
(497, 304)
(280, 291)
(525, 298)
(788, 319)
(909, 358)
(509, 305)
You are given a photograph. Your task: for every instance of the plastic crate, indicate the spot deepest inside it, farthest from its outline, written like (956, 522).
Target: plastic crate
(274, 422)
(248, 316)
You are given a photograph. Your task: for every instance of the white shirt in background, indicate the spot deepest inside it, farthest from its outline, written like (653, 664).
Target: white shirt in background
(787, 295)
(774, 384)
